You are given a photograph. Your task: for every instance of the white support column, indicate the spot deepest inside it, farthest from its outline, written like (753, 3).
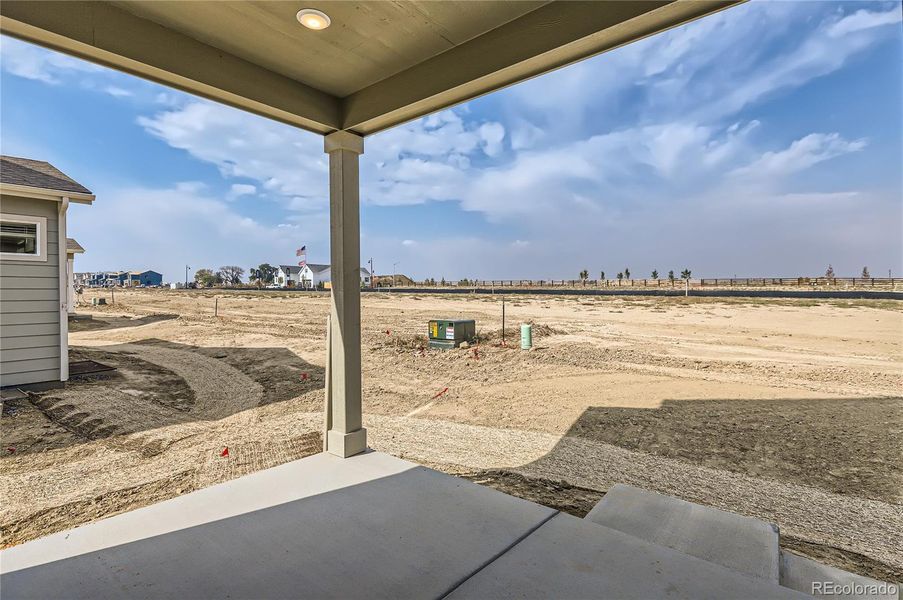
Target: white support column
(346, 437)
(70, 277)
(63, 289)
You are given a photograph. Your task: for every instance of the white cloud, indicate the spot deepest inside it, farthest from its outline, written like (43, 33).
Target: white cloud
(865, 19)
(287, 162)
(428, 159)
(117, 92)
(801, 154)
(491, 136)
(241, 189)
(34, 62)
(418, 162)
(525, 135)
(704, 71)
(191, 187)
(408, 243)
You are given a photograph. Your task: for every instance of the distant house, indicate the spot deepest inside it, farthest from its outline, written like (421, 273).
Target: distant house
(287, 276)
(310, 276)
(34, 274)
(121, 278)
(83, 279)
(136, 278)
(104, 279)
(72, 248)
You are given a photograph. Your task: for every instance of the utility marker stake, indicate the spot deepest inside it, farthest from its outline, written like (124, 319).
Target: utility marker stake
(503, 320)
(216, 306)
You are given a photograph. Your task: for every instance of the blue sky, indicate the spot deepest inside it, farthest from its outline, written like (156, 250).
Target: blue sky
(764, 140)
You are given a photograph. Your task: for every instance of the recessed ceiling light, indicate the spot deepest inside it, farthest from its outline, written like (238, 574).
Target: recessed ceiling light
(313, 19)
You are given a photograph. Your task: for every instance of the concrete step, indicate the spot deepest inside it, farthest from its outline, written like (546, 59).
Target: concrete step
(568, 557)
(744, 544)
(810, 577)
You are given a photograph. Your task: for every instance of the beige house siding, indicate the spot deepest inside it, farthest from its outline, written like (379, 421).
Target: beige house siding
(30, 304)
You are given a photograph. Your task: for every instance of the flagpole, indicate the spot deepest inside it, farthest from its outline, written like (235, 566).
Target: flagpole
(302, 252)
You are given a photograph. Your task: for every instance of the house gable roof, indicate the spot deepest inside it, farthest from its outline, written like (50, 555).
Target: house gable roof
(314, 267)
(37, 174)
(317, 268)
(73, 247)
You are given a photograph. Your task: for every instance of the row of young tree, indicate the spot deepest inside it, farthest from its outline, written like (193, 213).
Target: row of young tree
(686, 274)
(625, 274)
(829, 274)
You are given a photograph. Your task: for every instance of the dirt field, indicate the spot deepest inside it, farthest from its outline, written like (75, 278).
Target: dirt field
(787, 410)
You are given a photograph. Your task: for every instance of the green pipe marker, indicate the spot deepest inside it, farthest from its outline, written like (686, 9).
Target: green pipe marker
(526, 336)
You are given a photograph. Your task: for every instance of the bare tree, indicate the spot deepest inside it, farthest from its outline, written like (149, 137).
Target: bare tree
(231, 274)
(829, 274)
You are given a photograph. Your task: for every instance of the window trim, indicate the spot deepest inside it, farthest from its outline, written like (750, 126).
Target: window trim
(41, 244)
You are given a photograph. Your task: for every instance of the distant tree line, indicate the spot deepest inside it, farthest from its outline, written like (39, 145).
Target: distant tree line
(262, 274)
(625, 274)
(226, 275)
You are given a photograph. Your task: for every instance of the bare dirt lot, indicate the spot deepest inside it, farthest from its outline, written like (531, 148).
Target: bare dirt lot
(787, 410)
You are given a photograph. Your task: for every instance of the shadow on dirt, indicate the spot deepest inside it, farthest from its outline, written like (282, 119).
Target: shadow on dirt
(116, 322)
(847, 445)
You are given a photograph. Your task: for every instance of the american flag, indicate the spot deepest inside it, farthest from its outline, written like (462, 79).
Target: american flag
(301, 251)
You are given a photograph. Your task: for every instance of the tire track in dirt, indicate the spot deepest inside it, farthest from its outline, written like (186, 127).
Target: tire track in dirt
(110, 423)
(220, 390)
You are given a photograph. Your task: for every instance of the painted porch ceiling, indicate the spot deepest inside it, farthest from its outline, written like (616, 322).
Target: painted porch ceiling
(367, 42)
(379, 64)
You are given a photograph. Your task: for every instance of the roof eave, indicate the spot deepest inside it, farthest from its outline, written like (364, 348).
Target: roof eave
(28, 191)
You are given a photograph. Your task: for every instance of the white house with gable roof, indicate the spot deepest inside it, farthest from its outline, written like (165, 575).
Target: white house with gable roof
(310, 276)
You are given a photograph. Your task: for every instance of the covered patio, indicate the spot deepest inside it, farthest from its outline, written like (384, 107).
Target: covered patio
(351, 522)
(355, 69)
(370, 526)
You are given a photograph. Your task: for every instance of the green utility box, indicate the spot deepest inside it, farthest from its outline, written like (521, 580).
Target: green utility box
(449, 333)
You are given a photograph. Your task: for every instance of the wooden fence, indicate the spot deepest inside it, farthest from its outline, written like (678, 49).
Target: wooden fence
(739, 282)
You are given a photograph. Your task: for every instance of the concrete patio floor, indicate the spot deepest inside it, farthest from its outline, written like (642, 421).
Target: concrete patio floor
(370, 526)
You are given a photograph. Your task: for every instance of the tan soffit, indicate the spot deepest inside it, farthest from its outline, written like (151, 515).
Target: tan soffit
(379, 64)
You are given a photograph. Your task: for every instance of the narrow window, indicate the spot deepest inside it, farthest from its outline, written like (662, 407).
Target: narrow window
(19, 238)
(23, 237)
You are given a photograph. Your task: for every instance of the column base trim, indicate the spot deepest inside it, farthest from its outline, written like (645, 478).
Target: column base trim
(346, 444)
